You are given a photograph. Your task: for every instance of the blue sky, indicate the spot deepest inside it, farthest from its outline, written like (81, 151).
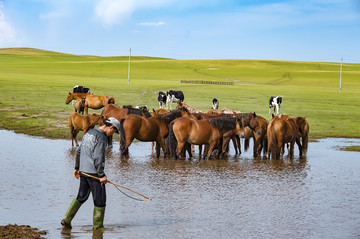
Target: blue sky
(305, 30)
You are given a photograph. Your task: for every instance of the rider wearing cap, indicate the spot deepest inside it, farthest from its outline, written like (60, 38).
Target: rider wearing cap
(90, 159)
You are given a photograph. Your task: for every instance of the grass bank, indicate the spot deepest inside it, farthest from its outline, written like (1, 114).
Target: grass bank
(34, 85)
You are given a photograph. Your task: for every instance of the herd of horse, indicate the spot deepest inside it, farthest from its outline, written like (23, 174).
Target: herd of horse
(175, 132)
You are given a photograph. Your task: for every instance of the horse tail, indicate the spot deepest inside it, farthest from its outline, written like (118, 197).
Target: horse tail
(172, 141)
(122, 136)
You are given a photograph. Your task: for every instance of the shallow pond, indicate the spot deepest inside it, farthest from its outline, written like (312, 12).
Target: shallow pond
(240, 197)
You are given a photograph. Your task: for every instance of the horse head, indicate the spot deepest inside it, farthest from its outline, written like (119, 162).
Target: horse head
(69, 98)
(111, 100)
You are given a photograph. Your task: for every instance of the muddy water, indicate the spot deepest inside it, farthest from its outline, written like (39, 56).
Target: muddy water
(241, 197)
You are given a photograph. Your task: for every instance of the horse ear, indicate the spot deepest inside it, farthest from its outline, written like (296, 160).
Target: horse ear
(272, 115)
(153, 110)
(305, 117)
(254, 114)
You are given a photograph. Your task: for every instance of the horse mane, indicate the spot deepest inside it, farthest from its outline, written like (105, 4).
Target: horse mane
(170, 116)
(136, 111)
(224, 124)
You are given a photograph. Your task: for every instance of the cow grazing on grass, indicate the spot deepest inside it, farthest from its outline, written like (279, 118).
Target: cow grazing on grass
(174, 96)
(215, 104)
(275, 101)
(162, 99)
(81, 89)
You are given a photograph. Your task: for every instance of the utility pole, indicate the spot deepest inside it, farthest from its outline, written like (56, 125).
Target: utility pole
(341, 73)
(129, 66)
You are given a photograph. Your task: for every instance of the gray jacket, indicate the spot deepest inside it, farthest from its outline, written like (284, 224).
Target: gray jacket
(90, 156)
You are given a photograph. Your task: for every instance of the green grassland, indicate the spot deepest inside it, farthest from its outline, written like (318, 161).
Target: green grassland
(34, 85)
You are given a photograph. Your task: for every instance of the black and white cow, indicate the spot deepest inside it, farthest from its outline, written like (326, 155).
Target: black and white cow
(275, 101)
(173, 96)
(215, 104)
(81, 89)
(162, 99)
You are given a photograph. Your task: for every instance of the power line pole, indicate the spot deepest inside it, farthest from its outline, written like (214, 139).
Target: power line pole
(129, 66)
(341, 73)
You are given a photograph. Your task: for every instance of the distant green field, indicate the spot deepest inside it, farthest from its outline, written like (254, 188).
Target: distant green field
(34, 85)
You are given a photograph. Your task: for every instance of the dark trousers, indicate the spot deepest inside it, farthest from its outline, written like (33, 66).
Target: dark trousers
(94, 186)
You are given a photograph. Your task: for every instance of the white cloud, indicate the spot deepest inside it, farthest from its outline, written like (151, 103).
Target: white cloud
(151, 23)
(111, 12)
(7, 33)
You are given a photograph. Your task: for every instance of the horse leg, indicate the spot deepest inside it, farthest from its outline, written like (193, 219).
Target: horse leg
(299, 146)
(211, 148)
(157, 149)
(86, 110)
(75, 132)
(292, 144)
(110, 140)
(179, 148)
(200, 150)
(72, 135)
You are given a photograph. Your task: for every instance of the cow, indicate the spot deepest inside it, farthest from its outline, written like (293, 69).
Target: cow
(275, 101)
(215, 104)
(81, 89)
(173, 96)
(162, 99)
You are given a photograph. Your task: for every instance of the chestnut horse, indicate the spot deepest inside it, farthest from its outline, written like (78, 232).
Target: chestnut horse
(303, 133)
(112, 110)
(193, 131)
(78, 122)
(97, 102)
(75, 96)
(282, 129)
(260, 138)
(155, 128)
(80, 105)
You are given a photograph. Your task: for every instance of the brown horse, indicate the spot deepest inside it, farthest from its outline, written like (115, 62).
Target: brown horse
(282, 129)
(112, 110)
(78, 122)
(155, 128)
(97, 102)
(303, 134)
(193, 131)
(260, 138)
(75, 96)
(80, 105)
(160, 111)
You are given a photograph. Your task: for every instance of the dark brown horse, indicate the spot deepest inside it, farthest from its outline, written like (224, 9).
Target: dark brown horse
(282, 129)
(193, 131)
(303, 127)
(155, 128)
(78, 122)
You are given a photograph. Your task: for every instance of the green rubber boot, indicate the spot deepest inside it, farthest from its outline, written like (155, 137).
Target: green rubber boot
(98, 218)
(70, 213)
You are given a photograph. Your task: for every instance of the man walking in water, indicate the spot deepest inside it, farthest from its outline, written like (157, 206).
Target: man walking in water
(90, 159)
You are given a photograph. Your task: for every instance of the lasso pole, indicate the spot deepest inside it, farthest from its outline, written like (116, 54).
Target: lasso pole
(115, 184)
